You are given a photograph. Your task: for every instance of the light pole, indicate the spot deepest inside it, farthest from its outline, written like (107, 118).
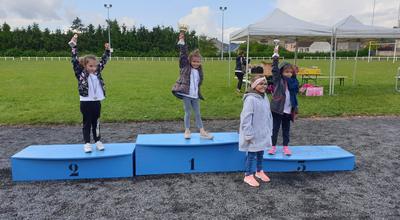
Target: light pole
(223, 9)
(108, 6)
(398, 17)
(373, 13)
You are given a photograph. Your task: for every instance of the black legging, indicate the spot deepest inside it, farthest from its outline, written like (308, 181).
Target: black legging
(91, 114)
(279, 120)
(239, 75)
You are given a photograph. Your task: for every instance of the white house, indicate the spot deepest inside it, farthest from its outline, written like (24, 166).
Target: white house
(308, 47)
(320, 47)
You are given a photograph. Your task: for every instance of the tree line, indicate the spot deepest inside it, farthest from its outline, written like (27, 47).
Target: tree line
(126, 41)
(133, 41)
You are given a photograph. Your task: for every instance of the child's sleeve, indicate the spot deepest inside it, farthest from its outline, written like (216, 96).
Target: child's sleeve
(104, 60)
(276, 73)
(183, 54)
(75, 62)
(247, 119)
(296, 82)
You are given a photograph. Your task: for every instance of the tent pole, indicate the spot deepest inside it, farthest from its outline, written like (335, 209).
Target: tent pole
(295, 52)
(355, 65)
(229, 63)
(369, 52)
(331, 67)
(334, 67)
(247, 59)
(394, 51)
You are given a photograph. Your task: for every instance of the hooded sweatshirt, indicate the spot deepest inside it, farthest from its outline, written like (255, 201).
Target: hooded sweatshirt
(255, 123)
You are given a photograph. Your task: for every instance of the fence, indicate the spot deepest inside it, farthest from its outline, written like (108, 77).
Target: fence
(206, 59)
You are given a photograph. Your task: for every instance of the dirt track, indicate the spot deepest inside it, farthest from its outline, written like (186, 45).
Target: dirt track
(371, 191)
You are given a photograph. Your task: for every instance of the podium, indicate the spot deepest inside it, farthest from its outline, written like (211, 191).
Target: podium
(69, 161)
(310, 158)
(172, 153)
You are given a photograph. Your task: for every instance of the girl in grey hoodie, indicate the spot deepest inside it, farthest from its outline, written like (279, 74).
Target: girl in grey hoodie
(255, 130)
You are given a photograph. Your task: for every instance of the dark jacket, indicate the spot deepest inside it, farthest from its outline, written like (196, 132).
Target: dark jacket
(293, 86)
(240, 64)
(182, 85)
(82, 76)
(280, 85)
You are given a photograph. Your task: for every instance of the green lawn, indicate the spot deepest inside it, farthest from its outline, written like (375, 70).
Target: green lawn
(41, 92)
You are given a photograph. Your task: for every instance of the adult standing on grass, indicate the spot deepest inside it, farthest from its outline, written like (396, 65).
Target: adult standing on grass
(187, 87)
(240, 70)
(91, 91)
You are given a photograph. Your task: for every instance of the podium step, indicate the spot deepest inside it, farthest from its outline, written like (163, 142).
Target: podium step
(171, 153)
(66, 162)
(310, 158)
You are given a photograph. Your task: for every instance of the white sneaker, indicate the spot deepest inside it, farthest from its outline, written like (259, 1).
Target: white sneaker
(187, 134)
(206, 135)
(99, 146)
(87, 148)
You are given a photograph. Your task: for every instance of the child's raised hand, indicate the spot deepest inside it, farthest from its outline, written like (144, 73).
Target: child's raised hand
(107, 46)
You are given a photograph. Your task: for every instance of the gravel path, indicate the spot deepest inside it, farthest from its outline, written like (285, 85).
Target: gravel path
(371, 191)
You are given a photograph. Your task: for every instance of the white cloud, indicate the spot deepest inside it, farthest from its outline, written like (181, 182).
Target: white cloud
(32, 9)
(229, 31)
(54, 14)
(21, 13)
(128, 21)
(329, 12)
(201, 19)
(204, 22)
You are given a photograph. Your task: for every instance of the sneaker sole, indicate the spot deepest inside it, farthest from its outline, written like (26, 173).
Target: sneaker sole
(262, 179)
(250, 184)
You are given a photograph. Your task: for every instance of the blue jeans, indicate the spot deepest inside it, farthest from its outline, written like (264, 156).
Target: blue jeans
(251, 157)
(188, 105)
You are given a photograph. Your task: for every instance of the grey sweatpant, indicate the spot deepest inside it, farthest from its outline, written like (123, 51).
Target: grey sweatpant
(188, 105)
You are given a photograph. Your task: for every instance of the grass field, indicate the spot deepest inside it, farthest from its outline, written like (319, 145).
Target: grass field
(45, 92)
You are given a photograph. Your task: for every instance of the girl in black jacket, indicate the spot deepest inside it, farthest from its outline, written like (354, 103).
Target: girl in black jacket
(91, 91)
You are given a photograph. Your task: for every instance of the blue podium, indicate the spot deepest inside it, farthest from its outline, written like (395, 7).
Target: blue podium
(171, 153)
(67, 162)
(310, 158)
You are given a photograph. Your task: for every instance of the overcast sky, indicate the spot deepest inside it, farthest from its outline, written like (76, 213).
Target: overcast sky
(201, 15)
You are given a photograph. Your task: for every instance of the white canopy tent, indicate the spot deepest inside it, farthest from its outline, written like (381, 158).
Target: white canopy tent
(351, 28)
(280, 25)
